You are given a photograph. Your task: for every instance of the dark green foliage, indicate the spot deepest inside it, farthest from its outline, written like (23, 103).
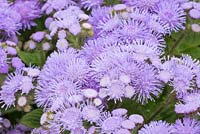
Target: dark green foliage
(32, 119)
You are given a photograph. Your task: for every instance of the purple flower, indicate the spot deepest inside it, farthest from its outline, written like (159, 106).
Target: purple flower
(130, 30)
(11, 51)
(144, 49)
(171, 13)
(66, 19)
(28, 10)
(56, 95)
(65, 64)
(94, 47)
(194, 13)
(38, 36)
(15, 82)
(118, 72)
(143, 4)
(57, 5)
(69, 119)
(187, 126)
(10, 86)
(108, 24)
(89, 4)
(62, 44)
(3, 62)
(190, 103)
(19, 129)
(182, 72)
(66, 72)
(17, 63)
(90, 112)
(42, 130)
(157, 127)
(97, 15)
(9, 21)
(109, 124)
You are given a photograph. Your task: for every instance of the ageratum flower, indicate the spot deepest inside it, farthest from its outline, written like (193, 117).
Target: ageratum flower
(13, 83)
(56, 5)
(144, 49)
(9, 21)
(157, 127)
(90, 112)
(67, 73)
(171, 13)
(115, 122)
(66, 19)
(143, 4)
(17, 63)
(182, 72)
(94, 47)
(186, 126)
(3, 62)
(19, 129)
(57, 94)
(115, 63)
(65, 64)
(97, 15)
(69, 119)
(89, 4)
(108, 24)
(130, 30)
(190, 103)
(28, 10)
(42, 130)
(157, 25)
(109, 124)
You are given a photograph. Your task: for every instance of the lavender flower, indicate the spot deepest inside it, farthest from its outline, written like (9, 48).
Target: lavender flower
(28, 10)
(9, 88)
(97, 15)
(57, 5)
(172, 14)
(131, 30)
(9, 21)
(182, 72)
(65, 80)
(108, 24)
(69, 119)
(56, 96)
(66, 19)
(38, 36)
(90, 112)
(143, 4)
(190, 103)
(109, 124)
(113, 64)
(155, 127)
(89, 4)
(194, 13)
(62, 44)
(15, 82)
(3, 62)
(187, 125)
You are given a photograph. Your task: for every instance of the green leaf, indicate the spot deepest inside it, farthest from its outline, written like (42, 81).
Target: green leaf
(37, 58)
(7, 111)
(2, 78)
(161, 108)
(32, 119)
(186, 42)
(112, 2)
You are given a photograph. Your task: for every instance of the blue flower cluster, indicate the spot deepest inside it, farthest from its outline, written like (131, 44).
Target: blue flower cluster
(122, 57)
